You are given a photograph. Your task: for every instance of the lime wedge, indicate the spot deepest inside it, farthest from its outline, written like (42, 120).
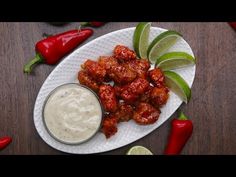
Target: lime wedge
(174, 60)
(178, 85)
(139, 150)
(140, 39)
(161, 43)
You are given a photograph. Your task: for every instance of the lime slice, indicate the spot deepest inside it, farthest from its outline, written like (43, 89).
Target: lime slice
(140, 39)
(139, 150)
(161, 43)
(178, 85)
(174, 60)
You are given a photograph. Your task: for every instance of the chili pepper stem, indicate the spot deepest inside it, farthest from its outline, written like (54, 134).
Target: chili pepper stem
(85, 23)
(46, 35)
(182, 116)
(29, 66)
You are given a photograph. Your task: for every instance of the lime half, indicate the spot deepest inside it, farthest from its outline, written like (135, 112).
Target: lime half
(140, 39)
(139, 150)
(161, 43)
(174, 60)
(178, 85)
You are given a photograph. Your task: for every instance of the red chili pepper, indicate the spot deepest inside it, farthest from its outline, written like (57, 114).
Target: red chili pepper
(93, 24)
(4, 141)
(53, 48)
(181, 131)
(233, 25)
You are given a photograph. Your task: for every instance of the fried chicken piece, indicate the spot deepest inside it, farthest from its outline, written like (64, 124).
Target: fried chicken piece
(107, 62)
(159, 96)
(119, 89)
(122, 75)
(134, 90)
(108, 98)
(126, 94)
(129, 97)
(140, 66)
(157, 77)
(96, 71)
(109, 126)
(146, 96)
(138, 86)
(145, 114)
(124, 112)
(123, 53)
(88, 81)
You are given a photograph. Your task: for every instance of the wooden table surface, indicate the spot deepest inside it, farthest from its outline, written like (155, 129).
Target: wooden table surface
(212, 107)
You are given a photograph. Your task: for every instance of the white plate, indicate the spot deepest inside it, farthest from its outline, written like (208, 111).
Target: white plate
(66, 72)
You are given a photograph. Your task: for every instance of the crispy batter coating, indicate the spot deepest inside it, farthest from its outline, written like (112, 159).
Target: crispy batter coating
(88, 81)
(140, 66)
(122, 75)
(157, 77)
(124, 112)
(146, 96)
(109, 126)
(131, 92)
(159, 96)
(97, 72)
(107, 62)
(145, 114)
(139, 86)
(119, 89)
(124, 93)
(129, 97)
(123, 53)
(108, 98)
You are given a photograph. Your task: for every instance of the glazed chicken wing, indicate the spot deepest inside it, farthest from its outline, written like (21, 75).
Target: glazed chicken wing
(123, 53)
(88, 81)
(107, 62)
(139, 86)
(145, 114)
(157, 77)
(119, 89)
(108, 98)
(124, 112)
(134, 90)
(159, 96)
(122, 75)
(97, 72)
(146, 96)
(109, 125)
(140, 66)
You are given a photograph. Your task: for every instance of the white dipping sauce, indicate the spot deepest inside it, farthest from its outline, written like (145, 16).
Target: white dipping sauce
(72, 113)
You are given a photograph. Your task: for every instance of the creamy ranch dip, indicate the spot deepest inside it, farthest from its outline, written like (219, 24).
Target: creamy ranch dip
(72, 113)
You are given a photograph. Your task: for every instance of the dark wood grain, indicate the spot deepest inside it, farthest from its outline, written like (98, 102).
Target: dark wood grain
(212, 107)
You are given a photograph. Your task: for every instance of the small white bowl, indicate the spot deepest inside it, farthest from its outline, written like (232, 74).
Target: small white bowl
(44, 117)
